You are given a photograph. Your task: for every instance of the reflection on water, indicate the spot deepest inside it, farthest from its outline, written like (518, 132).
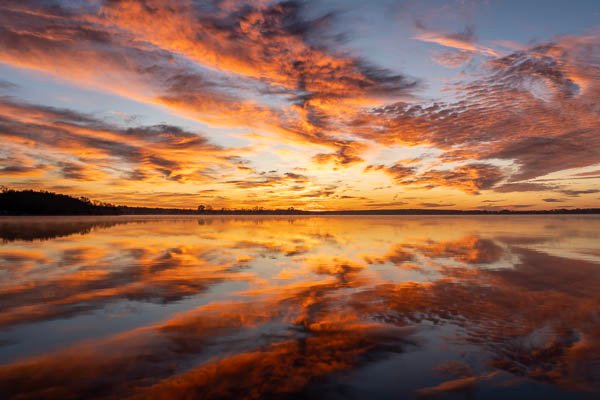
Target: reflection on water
(302, 307)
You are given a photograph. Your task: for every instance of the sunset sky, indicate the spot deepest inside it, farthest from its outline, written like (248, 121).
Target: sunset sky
(340, 104)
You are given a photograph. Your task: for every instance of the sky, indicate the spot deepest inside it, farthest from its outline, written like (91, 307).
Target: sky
(318, 105)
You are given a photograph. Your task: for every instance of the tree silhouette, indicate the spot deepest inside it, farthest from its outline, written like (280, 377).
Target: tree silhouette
(30, 202)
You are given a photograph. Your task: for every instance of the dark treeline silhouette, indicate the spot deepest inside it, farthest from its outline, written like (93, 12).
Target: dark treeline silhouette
(31, 202)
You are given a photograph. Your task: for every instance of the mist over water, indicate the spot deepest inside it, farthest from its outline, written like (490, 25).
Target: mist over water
(249, 307)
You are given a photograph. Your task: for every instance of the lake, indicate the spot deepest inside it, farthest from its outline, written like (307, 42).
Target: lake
(336, 307)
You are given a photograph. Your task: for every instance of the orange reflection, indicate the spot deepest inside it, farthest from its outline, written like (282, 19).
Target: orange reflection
(524, 304)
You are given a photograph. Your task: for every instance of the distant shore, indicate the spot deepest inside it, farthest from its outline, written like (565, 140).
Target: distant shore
(183, 212)
(43, 203)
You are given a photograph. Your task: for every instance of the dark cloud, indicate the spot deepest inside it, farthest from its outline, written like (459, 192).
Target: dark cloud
(169, 135)
(593, 174)
(539, 156)
(386, 204)
(7, 86)
(577, 193)
(269, 180)
(326, 191)
(72, 171)
(397, 171)
(523, 187)
(434, 205)
(470, 178)
(346, 155)
(519, 69)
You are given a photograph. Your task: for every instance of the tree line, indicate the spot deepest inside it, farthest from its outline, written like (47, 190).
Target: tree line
(32, 202)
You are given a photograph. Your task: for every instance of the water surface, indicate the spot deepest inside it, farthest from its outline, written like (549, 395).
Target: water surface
(373, 307)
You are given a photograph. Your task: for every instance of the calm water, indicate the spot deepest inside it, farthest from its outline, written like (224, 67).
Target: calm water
(490, 307)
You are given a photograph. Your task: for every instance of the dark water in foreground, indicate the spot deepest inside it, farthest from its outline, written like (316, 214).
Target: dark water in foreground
(489, 307)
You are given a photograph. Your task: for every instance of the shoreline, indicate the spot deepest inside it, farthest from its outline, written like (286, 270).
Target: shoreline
(325, 213)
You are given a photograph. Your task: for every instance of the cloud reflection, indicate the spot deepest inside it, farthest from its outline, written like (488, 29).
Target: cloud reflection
(522, 311)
